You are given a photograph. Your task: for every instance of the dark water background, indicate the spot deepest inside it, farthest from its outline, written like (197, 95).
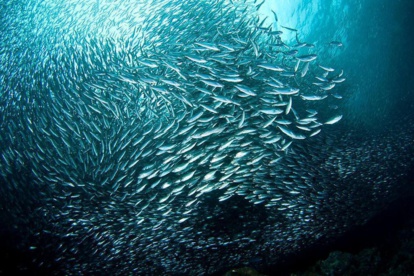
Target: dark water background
(378, 59)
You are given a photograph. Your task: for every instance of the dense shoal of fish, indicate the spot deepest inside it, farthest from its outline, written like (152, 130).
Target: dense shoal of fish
(152, 137)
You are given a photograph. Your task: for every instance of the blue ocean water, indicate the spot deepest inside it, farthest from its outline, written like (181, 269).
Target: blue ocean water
(52, 224)
(376, 56)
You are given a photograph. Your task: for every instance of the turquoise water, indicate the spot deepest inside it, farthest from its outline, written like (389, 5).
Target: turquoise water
(169, 137)
(376, 37)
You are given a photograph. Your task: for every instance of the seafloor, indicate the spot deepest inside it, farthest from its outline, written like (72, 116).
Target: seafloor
(384, 246)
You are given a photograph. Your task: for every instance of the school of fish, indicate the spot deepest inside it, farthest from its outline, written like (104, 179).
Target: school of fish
(159, 137)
